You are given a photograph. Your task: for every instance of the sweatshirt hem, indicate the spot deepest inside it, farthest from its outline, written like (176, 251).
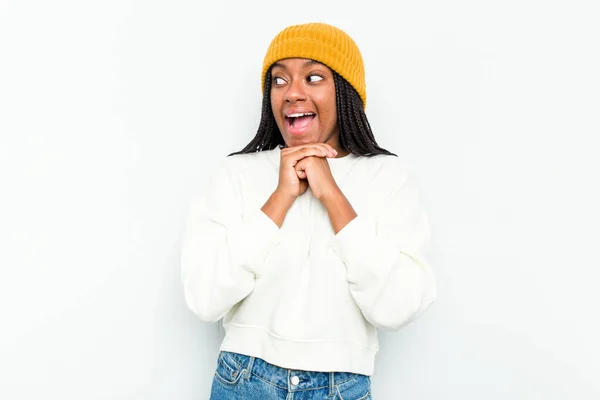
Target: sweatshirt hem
(323, 355)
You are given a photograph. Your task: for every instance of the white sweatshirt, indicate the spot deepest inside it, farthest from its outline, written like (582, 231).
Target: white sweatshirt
(301, 297)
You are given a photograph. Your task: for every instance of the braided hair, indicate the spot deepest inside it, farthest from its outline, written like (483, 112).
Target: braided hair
(356, 135)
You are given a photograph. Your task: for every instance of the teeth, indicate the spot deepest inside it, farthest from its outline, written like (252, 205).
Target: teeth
(299, 115)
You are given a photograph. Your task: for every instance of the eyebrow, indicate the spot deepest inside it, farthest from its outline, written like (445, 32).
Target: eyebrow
(306, 63)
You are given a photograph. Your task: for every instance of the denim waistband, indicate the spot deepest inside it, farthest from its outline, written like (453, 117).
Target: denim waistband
(288, 379)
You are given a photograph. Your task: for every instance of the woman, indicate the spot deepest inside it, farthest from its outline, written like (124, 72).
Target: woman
(311, 237)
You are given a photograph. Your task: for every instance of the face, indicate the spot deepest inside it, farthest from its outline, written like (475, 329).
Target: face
(303, 102)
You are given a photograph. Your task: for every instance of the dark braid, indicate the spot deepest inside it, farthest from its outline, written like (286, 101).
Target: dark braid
(356, 135)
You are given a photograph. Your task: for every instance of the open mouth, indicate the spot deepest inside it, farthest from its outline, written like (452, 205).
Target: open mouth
(299, 121)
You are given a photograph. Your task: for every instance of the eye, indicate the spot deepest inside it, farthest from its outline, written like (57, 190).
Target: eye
(278, 81)
(314, 78)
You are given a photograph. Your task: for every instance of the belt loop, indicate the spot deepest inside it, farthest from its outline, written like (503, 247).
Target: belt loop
(331, 384)
(249, 368)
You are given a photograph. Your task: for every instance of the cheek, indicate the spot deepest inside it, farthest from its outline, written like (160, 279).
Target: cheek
(329, 110)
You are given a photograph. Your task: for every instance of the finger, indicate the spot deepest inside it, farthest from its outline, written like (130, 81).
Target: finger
(328, 148)
(308, 149)
(302, 164)
(293, 157)
(331, 152)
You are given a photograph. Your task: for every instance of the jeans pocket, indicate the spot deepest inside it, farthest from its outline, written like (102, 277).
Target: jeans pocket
(228, 371)
(357, 388)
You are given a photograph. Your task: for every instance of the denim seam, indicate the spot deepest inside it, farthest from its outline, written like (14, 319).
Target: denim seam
(236, 362)
(227, 367)
(249, 369)
(225, 381)
(366, 396)
(263, 379)
(311, 388)
(331, 384)
(345, 380)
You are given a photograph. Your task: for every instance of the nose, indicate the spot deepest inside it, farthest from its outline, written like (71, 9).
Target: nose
(295, 92)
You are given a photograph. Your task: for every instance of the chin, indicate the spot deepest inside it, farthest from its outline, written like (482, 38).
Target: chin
(292, 141)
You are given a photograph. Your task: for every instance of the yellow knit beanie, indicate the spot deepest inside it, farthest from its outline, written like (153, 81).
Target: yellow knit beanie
(323, 43)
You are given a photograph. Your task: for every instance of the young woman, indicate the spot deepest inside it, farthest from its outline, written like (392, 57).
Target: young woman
(311, 237)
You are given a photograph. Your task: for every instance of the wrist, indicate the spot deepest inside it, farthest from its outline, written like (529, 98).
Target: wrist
(283, 198)
(339, 209)
(333, 195)
(277, 207)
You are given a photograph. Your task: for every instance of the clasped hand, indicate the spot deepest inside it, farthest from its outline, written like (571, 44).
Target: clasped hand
(304, 166)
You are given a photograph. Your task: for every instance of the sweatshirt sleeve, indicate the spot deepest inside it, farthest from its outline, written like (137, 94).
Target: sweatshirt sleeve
(385, 258)
(223, 249)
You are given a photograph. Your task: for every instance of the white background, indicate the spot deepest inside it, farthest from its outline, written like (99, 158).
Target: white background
(113, 113)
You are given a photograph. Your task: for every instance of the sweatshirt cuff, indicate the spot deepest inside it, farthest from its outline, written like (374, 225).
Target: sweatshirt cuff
(251, 241)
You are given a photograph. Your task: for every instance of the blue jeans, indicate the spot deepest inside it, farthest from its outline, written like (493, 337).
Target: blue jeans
(247, 378)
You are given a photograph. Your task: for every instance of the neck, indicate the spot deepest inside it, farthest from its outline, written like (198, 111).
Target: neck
(334, 141)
